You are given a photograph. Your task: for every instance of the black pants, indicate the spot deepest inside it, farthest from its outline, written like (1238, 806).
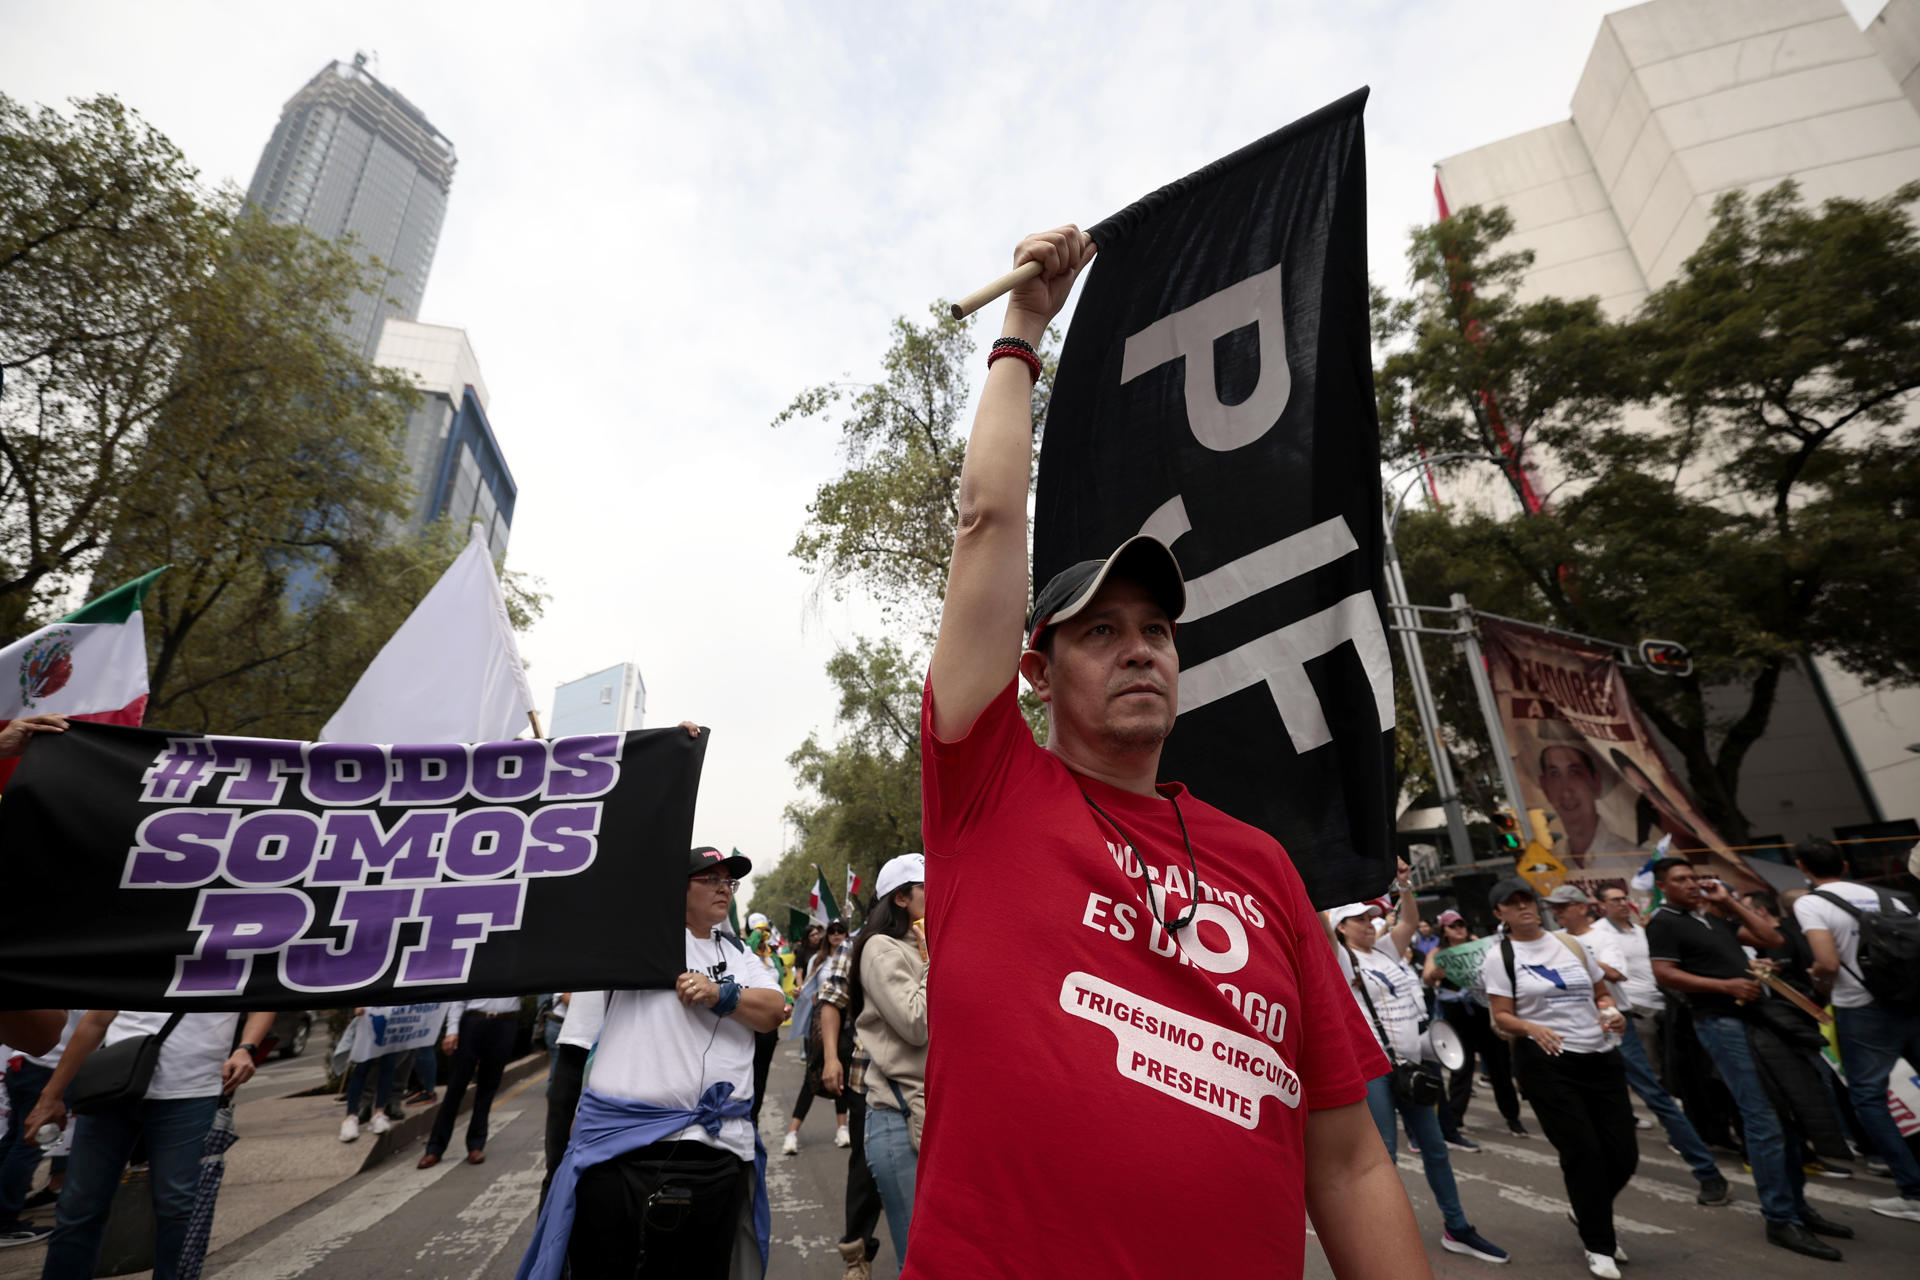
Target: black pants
(1477, 1038)
(863, 1193)
(1580, 1100)
(563, 1099)
(616, 1235)
(764, 1043)
(484, 1046)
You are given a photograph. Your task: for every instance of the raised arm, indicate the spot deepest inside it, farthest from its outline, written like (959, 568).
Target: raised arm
(978, 649)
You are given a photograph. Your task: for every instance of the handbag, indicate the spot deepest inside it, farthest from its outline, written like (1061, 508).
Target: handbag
(817, 1054)
(1411, 1083)
(118, 1075)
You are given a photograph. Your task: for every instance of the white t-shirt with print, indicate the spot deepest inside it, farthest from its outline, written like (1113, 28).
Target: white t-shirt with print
(1818, 913)
(1556, 990)
(655, 1049)
(190, 1059)
(1395, 991)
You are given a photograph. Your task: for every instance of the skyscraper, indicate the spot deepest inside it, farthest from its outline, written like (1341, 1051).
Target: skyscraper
(350, 155)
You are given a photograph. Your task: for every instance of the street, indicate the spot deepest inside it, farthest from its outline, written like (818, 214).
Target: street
(462, 1222)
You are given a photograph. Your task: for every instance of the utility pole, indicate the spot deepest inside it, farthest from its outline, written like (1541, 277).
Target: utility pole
(1405, 620)
(1490, 709)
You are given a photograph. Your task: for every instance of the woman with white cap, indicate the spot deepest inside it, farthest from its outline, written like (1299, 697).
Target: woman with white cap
(888, 1000)
(1389, 996)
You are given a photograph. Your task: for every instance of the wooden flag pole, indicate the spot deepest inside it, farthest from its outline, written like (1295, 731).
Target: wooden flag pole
(1004, 285)
(534, 717)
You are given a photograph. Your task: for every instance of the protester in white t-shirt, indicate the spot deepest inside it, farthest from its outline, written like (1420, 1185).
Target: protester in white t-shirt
(1392, 1004)
(1550, 998)
(585, 1012)
(26, 1077)
(204, 1056)
(1872, 1037)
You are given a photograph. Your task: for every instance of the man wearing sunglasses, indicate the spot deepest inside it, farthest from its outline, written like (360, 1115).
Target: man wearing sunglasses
(1162, 1022)
(665, 1175)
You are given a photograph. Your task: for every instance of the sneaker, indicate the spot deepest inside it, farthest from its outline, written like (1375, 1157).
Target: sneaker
(24, 1233)
(380, 1122)
(1413, 1148)
(349, 1129)
(791, 1147)
(1896, 1207)
(842, 1138)
(1641, 1122)
(1620, 1255)
(1712, 1190)
(1826, 1169)
(1876, 1165)
(1461, 1142)
(1601, 1265)
(1473, 1244)
(420, 1099)
(1794, 1237)
(1517, 1129)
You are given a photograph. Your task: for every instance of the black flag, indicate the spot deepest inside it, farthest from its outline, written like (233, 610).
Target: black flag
(150, 870)
(1216, 390)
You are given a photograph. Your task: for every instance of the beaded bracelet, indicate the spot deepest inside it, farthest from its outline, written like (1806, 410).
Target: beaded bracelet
(729, 998)
(1025, 357)
(1018, 344)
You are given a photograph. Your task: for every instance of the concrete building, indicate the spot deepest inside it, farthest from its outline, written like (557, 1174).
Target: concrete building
(610, 701)
(350, 155)
(451, 454)
(1680, 101)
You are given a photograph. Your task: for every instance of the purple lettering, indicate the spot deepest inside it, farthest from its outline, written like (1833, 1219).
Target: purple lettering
(272, 847)
(459, 915)
(170, 849)
(262, 764)
(509, 770)
(235, 925)
(562, 839)
(485, 843)
(591, 766)
(372, 919)
(427, 774)
(356, 844)
(346, 773)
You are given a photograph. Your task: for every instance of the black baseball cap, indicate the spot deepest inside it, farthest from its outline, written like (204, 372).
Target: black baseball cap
(708, 858)
(1504, 889)
(1143, 558)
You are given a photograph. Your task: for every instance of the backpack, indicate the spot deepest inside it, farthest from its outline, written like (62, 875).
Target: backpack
(1889, 953)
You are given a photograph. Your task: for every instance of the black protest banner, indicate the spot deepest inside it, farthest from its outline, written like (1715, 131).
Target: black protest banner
(152, 870)
(1216, 390)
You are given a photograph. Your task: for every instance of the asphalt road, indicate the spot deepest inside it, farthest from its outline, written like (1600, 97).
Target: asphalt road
(460, 1222)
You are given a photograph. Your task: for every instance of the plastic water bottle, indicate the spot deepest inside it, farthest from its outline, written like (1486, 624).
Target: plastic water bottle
(48, 1135)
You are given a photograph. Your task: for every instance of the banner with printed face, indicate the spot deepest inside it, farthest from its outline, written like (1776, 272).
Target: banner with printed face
(153, 870)
(1216, 391)
(1585, 756)
(396, 1028)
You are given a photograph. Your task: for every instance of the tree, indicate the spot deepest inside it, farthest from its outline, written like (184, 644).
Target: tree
(103, 237)
(885, 527)
(1763, 515)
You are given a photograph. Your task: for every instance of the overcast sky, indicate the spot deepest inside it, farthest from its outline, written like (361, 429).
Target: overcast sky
(669, 218)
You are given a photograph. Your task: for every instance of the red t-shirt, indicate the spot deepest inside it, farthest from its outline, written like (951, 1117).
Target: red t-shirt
(1104, 1099)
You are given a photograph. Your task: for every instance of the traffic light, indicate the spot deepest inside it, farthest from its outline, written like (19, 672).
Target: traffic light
(1506, 829)
(1666, 657)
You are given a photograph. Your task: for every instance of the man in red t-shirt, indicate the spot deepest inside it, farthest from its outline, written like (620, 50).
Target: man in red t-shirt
(1140, 1043)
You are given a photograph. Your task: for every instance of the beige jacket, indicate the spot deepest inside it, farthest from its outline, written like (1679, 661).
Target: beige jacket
(893, 1025)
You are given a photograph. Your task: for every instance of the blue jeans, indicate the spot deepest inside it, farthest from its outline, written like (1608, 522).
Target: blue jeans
(426, 1066)
(382, 1069)
(18, 1156)
(176, 1130)
(1424, 1124)
(1640, 1078)
(1871, 1038)
(891, 1157)
(1777, 1174)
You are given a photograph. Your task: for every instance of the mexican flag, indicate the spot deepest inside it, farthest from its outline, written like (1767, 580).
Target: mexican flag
(820, 903)
(853, 886)
(90, 665)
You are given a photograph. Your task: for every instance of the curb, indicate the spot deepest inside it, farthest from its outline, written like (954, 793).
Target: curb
(417, 1125)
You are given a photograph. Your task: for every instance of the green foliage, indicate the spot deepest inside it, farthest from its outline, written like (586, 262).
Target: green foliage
(885, 527)
(1767, 513)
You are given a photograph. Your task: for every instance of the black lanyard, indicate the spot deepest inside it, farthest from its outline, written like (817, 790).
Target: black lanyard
(1193, 873)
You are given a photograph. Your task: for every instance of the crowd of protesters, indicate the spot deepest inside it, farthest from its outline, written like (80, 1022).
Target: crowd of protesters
(656, 1163)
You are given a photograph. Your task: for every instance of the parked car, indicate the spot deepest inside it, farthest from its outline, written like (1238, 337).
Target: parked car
(291, 1029)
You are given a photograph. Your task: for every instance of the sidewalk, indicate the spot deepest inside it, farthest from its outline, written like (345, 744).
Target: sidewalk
(289, 1152)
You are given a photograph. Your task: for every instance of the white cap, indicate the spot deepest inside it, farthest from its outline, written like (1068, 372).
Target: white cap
(756, 919)
(1350, 910)
(908, 868)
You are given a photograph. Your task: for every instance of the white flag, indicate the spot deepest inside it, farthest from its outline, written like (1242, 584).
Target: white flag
(451, 672)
